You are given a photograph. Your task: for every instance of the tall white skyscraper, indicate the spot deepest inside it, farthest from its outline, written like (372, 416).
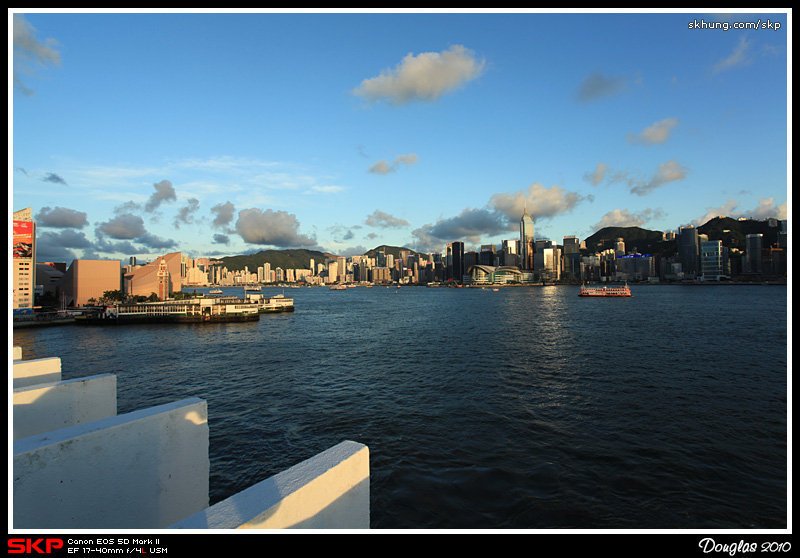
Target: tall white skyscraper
(526, 247)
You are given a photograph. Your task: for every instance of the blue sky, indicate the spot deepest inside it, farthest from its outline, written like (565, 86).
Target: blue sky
(138, 134)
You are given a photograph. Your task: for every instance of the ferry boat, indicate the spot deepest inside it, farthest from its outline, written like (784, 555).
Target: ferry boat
(215, 291)
(272, 304)
(194, 310)
(338, 288)
(624, 291)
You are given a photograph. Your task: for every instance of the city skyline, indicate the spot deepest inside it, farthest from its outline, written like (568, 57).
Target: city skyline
(219, 134)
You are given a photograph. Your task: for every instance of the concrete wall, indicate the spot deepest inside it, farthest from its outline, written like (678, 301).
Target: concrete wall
(142, 470)
(327, 491)
(45, 407)
(36, 371)
(78, 466)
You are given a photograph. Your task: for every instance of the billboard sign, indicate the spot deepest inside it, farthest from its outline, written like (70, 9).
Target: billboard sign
(23, 239)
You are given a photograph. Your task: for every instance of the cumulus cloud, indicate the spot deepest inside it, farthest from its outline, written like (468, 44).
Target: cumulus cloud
(273, 228)
(656, 133)
(223, 214)
(384, 220)
(423, 77)
(598, 85)
(540, 201)
(61, 217)
(164, 192)
(128, 227)
(499, 216)
(766, 209)
(385, 167)
(624, 218)
(123, 227)
(468, 226)
(30, 52)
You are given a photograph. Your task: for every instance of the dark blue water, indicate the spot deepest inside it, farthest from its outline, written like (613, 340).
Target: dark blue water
(525, 408)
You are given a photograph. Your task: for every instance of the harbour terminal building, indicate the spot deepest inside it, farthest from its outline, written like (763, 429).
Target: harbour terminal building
(491, 275)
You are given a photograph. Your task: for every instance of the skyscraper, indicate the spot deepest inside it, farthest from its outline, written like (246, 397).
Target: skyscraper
(526, 249)
(458, 261)
(689, 251)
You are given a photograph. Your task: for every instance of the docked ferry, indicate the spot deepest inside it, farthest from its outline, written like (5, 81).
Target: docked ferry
(272, 304)
(623, 291)
(194, 310)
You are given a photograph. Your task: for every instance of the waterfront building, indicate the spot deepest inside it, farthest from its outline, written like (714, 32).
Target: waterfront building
(509, 253)
(572, 258)
(195, 276)
(48, 275)
(619, 247)
(381, 275)
(87, 280)
(635, 267)
(487, 255)
(23, 252)
(492, 275)
(689, 251)
(455, 261)
(547, 261)
(754, 245)
(144, 280)
(713, 257)
(526, 246)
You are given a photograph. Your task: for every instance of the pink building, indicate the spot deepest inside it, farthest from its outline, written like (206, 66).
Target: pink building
(162, 277)
(89, 279)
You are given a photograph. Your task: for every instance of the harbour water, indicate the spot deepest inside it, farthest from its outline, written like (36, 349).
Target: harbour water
(521, 408)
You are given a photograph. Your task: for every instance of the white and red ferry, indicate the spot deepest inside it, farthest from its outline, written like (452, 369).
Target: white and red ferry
(605, 291)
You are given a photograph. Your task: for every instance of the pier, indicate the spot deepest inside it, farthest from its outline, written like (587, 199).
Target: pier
(78, 464)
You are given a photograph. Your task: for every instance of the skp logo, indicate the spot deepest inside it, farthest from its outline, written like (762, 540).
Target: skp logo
(30, 546)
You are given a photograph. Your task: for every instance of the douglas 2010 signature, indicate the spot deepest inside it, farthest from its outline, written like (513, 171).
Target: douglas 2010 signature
(709, 545)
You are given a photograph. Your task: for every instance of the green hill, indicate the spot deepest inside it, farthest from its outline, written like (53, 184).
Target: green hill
(643, 240)
(285, 259)
(732, 233)
(393, 250)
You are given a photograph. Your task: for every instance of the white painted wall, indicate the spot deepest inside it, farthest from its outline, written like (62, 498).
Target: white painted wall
(142, 470)
(327, 491)
(36, 371)
(45, 407)
(150, 469)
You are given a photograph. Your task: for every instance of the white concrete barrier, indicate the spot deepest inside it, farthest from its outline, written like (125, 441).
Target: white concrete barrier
(327, 491)
(36, 371)
(142, 470)
(45, 407)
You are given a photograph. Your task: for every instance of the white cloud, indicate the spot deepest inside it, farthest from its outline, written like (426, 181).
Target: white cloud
(656, 133)
(598, 175)
(273, 228)
(624, 218)
(30, 52)
(740, 56)
(667, 172)
(381, 219)
(385, 167)
(540, 201)
(424, 77)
